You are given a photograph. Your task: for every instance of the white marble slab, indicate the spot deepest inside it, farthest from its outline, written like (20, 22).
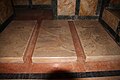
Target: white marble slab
(54, 43)
(96, 42)
(14, 40)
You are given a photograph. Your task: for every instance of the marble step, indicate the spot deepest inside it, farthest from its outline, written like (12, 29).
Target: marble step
(54, 43)
(14, 40)
(112, 18)
(96, 42)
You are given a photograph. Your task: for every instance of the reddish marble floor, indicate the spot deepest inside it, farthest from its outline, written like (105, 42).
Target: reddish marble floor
(79, 66)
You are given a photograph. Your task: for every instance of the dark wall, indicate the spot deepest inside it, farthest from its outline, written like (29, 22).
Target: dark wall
(115, 2)
(40, 2)
(21, 2)
(34, 2)
(6, 10)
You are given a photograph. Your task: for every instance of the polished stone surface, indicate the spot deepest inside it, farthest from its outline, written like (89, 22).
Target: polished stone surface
(54, 43)
(112, 18)
(14, 40)
(88, 7)
(66, 7)
(78, 66)
(96, 42)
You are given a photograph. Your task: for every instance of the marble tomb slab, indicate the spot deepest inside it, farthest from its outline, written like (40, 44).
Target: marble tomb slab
(96, 42)
(14, 40)
(54, 43)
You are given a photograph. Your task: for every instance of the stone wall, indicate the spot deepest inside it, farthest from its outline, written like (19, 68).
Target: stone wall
(6, 10)
(41, 2)
(66, 7)
(34, 2)
(114, 4)
(88, 7)
(21, 2)
(115, 1)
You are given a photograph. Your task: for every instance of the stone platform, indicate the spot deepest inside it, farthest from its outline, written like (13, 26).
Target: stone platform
(54, 43)
(96, 42)
(14, 40)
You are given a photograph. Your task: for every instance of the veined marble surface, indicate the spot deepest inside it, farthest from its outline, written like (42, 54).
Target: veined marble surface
(96, 42)
(88, 7)
(112, 18)
(54, 43)
(66, 7)
(14, 39)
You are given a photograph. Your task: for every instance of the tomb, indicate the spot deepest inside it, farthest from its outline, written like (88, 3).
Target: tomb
(54, 43)
(96, 42)
(14, 40)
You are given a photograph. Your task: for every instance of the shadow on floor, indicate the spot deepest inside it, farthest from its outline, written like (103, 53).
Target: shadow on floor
(61, 75)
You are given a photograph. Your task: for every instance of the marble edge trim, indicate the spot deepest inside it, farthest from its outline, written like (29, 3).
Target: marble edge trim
(102, 58)
(51, 60)
(11, 60)
(30, 36)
